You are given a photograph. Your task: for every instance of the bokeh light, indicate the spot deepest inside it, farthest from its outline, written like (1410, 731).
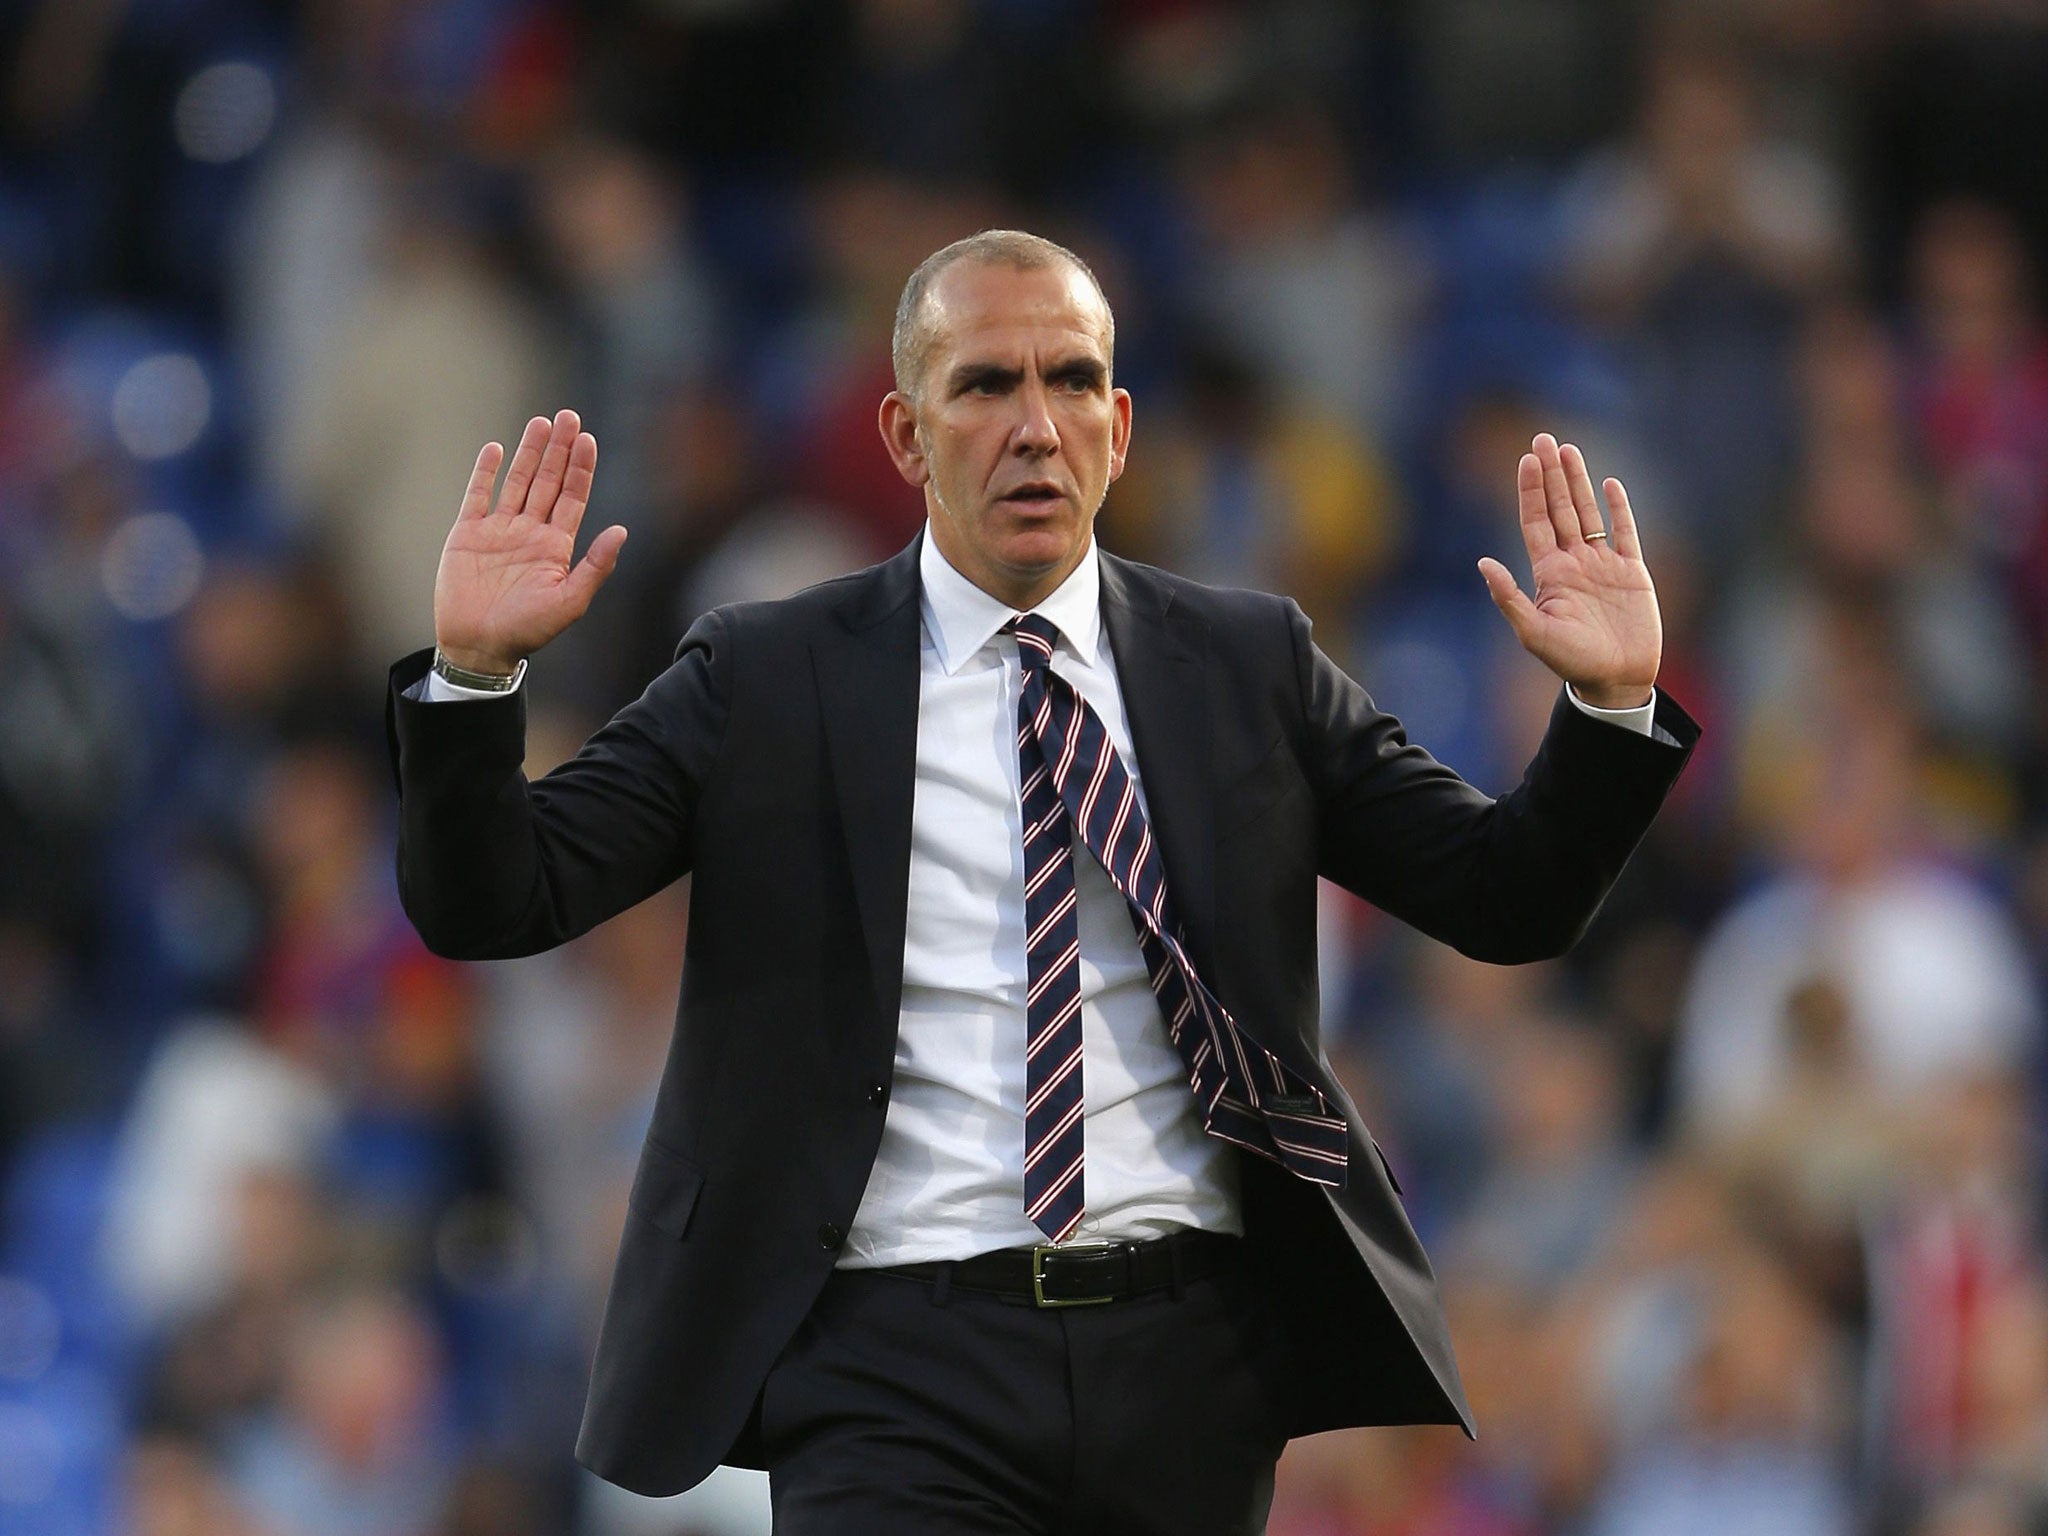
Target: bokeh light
(225, 112)
(151, 566)
(161, 405)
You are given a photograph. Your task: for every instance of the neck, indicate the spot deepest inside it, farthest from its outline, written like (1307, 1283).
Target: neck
(1021, 590)
(1026, 595)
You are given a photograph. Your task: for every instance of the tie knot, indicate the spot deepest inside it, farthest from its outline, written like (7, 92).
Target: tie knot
(1035, 636)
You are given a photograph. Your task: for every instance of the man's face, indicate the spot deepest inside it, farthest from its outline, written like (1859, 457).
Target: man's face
(1018, 433)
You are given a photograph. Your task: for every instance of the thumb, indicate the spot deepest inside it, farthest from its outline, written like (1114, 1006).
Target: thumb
(597, 564)
(1511, 600)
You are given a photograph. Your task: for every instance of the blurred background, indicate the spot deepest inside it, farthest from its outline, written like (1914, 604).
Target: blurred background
(303, 1232)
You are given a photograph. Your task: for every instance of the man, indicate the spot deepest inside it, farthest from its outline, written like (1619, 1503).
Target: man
(997, 1181)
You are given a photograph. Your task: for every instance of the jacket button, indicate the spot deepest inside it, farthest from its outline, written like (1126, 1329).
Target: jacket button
(878, 1094)
(830, 1236)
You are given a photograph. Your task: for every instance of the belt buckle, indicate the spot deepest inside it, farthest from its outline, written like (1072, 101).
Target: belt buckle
(1038, 1254)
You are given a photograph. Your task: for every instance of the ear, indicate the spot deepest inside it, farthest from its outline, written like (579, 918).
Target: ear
(1119, 430)
(900, 436)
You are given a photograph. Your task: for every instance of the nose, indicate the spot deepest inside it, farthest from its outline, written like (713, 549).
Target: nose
(1035, 434)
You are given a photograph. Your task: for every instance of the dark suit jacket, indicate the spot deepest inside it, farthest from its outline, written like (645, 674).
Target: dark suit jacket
(775, 760)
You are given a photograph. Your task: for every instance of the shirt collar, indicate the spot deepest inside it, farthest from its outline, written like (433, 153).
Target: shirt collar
(961, 618)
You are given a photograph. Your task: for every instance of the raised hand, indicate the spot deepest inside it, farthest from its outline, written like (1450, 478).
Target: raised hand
(505, 587)
(1594, 618)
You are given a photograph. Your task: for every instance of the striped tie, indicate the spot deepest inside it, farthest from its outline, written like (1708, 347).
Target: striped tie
(1072, 777)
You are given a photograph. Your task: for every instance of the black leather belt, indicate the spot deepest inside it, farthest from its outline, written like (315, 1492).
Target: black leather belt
(1083, 1274)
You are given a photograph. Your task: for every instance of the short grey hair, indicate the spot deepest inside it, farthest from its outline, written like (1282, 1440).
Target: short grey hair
(910, 345)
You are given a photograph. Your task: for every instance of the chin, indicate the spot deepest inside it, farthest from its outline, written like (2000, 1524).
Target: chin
(1039, 553)
(1046, 539)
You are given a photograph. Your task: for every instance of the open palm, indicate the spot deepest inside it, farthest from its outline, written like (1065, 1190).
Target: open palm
(506, 585)
(1593, 620)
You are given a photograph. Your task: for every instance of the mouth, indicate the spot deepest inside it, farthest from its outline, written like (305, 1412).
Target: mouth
(1034, 493)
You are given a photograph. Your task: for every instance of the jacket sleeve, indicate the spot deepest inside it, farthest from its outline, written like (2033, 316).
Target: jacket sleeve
(1505, 880)
(491, 866)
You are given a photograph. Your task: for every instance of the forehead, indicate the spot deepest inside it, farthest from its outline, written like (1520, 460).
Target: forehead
(986, 306)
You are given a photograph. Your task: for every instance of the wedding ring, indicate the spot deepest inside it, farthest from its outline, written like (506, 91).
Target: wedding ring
(1600, 535)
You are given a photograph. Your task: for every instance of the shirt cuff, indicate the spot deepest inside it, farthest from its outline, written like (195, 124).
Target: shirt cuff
(1641, 719)
(436, 689)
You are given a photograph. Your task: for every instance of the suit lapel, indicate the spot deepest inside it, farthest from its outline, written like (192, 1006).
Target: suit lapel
(1160, 670)
(1163, 658)
(868, 691)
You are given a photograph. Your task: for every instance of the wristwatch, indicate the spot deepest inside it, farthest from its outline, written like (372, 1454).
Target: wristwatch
(482, 682)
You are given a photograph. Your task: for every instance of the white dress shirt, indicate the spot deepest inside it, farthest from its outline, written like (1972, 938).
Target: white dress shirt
(948, 1180)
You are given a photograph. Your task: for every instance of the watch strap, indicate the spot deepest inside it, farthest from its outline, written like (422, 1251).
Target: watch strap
(482, 682)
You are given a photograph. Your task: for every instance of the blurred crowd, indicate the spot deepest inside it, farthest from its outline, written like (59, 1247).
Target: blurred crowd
(1738, 1209)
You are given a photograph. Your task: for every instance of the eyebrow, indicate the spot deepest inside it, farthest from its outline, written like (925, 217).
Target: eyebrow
(968, 376)
(972, 375)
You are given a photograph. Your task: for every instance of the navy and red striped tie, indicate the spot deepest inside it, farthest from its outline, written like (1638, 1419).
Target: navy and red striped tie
(1072, 778)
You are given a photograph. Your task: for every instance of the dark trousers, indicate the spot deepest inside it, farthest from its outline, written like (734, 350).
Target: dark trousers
(907, 1407)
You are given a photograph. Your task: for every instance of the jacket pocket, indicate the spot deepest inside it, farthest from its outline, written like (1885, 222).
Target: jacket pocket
(665, 1189)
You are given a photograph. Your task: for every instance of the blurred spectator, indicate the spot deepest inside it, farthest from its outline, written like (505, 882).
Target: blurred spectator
(44, 1079)
(1704, 185)
(354, 1446)
(705, 476)
(1979, 389)
(1317, 289)
(1935, 981)
(1246, 485)
(1873, 573)
(1960, 1332)
(68, 750)
(870, 230)
(1560, 1174)
(1822, 1154)
(1751, 1448)
(1434, 1071)
(1464, 510)
(256, 650)
(306, 258)
(614, 224)
(215, 1107)
(1700, 236)
(173, 1487)
(442, 355)
(573, 1046)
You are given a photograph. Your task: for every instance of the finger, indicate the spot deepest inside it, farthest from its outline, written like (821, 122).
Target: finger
(525, 460)
(598, 562)
(554, 463)
(1580, 484)
(1512, 602)
(1557, 496)
(1623, 519)
(1538, 536)
(575, 498)
(476, 501)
